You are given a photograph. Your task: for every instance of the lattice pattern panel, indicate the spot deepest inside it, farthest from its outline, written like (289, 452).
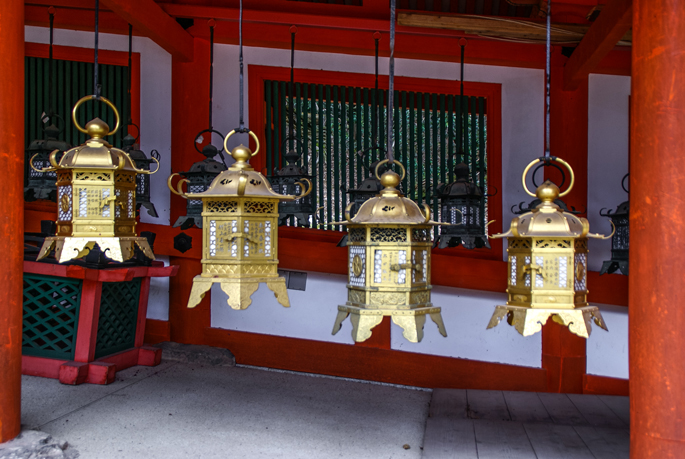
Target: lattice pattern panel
(221, 206)
(259, 207)
(357, 234)
(50, 316)
(388, 235)
(118, 317)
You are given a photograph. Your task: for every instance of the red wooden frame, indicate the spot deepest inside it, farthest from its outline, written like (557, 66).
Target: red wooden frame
(258, 74)
(70, 53)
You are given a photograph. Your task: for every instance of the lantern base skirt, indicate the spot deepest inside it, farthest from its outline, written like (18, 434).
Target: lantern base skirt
(529, 321)
(115, 248)
(613, 266)
(187, 221)
(239, 290)
(411, 320)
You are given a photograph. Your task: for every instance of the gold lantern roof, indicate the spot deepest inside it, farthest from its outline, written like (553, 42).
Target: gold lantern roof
(390, 207)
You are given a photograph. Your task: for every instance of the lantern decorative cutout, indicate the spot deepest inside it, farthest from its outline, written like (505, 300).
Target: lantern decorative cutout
(547, 266)
(461, 206)
(288, 181)
(199, 178)
(620, 242)
(41, 185)
(142, 162)
(389, 249)
(240, 232)
(96, 197)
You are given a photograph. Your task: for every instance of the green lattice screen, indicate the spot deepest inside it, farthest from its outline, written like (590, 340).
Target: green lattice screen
(50, 316)
(118, 317)
(338, 123)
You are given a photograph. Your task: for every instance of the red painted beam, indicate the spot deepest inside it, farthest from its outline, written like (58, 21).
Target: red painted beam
(147, 17)
(611, 25)
(12, 212)
(657, 232)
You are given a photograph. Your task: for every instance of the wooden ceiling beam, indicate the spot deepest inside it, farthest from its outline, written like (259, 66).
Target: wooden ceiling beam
(150, 20)
(611, 24)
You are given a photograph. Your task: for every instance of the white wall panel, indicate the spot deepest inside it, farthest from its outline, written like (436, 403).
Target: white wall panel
(607, 353)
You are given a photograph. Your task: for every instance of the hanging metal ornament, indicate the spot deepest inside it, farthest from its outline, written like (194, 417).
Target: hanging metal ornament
(202, 173)
(389, 249)
(620, 242)
(547, 257)
(289, 179)
(462, 202)
(240, 235)
(41, 185)
(96, 190)
(132, 148)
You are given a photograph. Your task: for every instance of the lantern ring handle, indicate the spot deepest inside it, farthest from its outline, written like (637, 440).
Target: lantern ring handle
(252, 134)
(104, 100)
(623, 183)
(131, 123)
(210, 139)
(404, 171)
(52, 116)
(543, 160)
(556, 166)
(176, 191)
(309, 187)
(295, 138)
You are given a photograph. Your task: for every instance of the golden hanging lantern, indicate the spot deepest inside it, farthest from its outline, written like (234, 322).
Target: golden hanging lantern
(240, 232)
(547, 265)
(389, 247)
(96, 196)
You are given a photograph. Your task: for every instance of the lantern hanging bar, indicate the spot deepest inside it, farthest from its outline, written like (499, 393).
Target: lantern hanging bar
(240, 213)
(391, 87)
(96, 77)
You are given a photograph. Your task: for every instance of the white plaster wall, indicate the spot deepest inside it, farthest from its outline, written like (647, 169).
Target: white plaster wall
(608, 109)
(607, 353)
(158, 300)
(155, 100)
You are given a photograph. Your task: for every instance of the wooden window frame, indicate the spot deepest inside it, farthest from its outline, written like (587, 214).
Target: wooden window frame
(258, 74)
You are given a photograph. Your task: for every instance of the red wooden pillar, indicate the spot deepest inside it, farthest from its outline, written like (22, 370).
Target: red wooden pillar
(564, 354)
(189, 115)
(11, 213)
(657, 231)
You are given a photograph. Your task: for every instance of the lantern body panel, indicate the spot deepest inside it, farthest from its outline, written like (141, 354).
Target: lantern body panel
(301, 208)
(620, 242)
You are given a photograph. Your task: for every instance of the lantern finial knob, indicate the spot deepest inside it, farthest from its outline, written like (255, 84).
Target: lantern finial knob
(390, 179)
(547, 192)
(97, 129)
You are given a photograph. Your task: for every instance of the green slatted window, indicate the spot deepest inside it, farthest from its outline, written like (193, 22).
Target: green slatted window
(336, 125)
(73, 80)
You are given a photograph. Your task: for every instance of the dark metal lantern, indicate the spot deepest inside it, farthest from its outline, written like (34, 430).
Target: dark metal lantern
(42, 185)
(200, 176)
(369, 188)
(620, 242)
(289, 181)
(461, 204)
(142, 180)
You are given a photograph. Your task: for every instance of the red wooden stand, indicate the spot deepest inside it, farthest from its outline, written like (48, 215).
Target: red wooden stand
(84, 367)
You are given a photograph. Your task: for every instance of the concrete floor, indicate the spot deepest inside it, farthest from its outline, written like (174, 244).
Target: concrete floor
(181, 410)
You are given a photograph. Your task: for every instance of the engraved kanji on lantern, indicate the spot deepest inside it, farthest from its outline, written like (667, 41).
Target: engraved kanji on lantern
(96, 197)
(240, 232)
(547, 265)
(389, 249)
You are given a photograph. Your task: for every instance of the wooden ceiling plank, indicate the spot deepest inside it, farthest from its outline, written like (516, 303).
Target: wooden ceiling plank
(150, 20)
(611, 25)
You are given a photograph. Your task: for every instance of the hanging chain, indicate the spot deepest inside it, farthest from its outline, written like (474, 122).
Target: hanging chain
(211, 71)
(391, 84)
(51, 11)
(130, 53)
(241, 126)
(96, 79)
(291, 131)
(548, 79)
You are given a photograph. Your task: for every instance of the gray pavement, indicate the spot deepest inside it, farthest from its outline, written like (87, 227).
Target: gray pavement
(182, 410)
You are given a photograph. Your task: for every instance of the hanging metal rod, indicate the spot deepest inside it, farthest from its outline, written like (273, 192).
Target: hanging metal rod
(212, 24)
(130, 53)
(51, 12)
(548, 77)
(96, 79)
(293, 31)
(241, 126)
(391, 84)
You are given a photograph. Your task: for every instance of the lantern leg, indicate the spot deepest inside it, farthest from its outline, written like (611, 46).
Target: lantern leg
(436, 317)
(528, 321)
(277, 285)
(412, 325)
(201, 285)
(342, 315)
(46, 249)
(362, 325)
(239, 293)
